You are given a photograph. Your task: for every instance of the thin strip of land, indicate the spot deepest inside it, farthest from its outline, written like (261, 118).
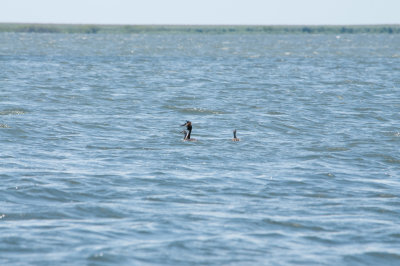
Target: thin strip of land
(218, 29)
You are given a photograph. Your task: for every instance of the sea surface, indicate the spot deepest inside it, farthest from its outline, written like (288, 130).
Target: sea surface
(94, 169)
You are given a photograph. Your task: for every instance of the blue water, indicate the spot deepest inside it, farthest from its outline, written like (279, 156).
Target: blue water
(94, 169)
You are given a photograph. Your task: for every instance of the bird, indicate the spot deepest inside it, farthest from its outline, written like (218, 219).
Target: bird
(234, 136)
(188, 125)
(186, 138)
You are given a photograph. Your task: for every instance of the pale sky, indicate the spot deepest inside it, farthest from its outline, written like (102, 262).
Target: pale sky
(249, 12)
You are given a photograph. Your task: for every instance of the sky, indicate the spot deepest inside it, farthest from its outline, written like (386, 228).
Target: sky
(202, 12)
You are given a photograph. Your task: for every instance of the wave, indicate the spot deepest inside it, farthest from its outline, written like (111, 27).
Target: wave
(194, 111)
(13, 112)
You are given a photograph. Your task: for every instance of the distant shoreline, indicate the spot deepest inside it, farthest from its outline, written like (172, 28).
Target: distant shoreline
(199, 29)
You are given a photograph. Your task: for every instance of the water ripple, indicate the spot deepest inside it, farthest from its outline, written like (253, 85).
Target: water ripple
(94, 169)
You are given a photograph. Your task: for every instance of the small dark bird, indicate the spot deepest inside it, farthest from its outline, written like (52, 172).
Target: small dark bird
(234, 136)
(188, 126)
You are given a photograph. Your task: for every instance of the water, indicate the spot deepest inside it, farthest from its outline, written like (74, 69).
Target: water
(94, 170)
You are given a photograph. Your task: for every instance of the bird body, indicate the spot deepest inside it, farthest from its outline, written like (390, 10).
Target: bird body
(234, 136)
(187, 137)
(188, 125)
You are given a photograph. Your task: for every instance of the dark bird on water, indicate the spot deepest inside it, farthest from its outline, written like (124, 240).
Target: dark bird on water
(187, 133)
(234, 136)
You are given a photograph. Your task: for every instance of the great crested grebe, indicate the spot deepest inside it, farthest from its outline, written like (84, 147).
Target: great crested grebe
(188, 125)
(234, 136)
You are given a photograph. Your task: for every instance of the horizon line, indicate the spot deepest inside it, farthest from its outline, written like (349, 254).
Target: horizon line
(211, 25)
